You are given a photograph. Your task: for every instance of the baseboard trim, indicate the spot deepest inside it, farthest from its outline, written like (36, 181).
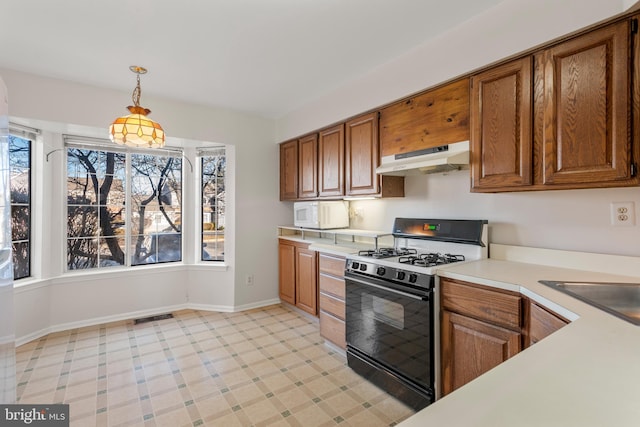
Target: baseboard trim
(140, 313)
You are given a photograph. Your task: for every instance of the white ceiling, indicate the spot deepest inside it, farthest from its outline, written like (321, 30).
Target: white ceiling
(266, 57)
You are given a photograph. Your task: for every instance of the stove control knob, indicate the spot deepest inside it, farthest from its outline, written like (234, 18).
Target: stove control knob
(355, 265)
(400, 275)
(413, 278)
(380, 271)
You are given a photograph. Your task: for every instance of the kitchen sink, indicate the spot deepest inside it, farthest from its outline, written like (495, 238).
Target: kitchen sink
(619, 299)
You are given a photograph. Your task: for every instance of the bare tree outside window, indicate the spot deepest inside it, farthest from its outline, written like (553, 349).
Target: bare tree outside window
(97, 229)
(213, 205)
(156, 200)
(20, 189)
(95, 208)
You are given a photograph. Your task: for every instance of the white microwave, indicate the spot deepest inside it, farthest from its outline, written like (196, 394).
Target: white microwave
(321, 215)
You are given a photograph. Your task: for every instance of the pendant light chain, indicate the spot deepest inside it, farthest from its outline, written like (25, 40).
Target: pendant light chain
(137, 93)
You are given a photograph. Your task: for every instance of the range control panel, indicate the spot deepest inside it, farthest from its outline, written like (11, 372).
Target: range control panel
(393, 274)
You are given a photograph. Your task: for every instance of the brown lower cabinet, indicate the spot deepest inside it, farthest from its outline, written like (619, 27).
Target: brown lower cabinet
(482, 327)
(297, 272)
(471, 347)
(543, 322)
(332, 298)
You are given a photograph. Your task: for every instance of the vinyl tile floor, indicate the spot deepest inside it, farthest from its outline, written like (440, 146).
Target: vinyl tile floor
(261, 367)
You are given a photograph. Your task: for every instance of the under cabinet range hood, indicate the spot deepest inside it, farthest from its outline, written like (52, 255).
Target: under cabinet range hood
(430, 160)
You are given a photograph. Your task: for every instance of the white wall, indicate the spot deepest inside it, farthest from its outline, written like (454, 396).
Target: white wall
(572, 220)
(253, 209)
(561, 219)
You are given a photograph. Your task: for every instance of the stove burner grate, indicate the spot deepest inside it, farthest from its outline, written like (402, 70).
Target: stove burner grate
(430, 259)
(387, 252)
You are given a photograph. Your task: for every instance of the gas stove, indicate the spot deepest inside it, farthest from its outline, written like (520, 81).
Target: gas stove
(390, 303)
(424, 246)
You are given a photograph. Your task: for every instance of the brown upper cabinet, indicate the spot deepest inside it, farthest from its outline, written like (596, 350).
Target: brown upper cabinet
(501, 132)
(362, 158)
(289, 170)
(583, 100)
(336, 162)
(433, 118)
(558, 119)
(331, 162)
(308, 167)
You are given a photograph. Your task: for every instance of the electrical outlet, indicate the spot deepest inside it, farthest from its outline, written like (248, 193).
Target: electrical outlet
(249, 280)
(623, 214)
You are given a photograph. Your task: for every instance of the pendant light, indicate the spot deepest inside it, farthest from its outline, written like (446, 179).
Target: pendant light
(136, 129)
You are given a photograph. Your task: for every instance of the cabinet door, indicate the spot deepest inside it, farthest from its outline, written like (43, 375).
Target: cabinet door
(287, 272)
(542, 323)
(362, 156)
(331, 162)
(437, 117)
(306, 281)
(289, 170)
(308, 167)
(585, 104)
(471, 347)
(501, 132)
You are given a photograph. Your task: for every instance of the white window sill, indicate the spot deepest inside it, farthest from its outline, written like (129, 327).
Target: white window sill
(115, 272)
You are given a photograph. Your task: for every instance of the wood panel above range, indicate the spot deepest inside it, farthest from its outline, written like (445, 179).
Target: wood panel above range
(430, 119)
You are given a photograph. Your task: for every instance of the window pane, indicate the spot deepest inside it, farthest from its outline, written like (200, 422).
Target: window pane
(20, 195)
(213, 206)
(20, 222)
(82, 221)
(108, 246)
(82, 253)
(21, 259)
(96, 192)
(156, 203)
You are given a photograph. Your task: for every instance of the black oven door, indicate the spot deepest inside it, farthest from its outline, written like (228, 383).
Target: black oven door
(392, 328)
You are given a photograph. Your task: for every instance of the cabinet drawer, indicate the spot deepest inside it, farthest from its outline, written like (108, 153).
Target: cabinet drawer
(333, 265)
(333, 329)
(543, 323)
(497, 307)
(332, 285)
(332, 305)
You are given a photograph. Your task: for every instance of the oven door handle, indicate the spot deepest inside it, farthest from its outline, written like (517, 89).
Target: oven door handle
(384, 288)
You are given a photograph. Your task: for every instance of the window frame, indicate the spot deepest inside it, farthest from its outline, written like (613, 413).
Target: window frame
(30, 135)
(200, 156)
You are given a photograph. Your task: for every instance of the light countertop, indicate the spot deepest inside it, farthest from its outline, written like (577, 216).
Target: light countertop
(585, 374)
(339, 241)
